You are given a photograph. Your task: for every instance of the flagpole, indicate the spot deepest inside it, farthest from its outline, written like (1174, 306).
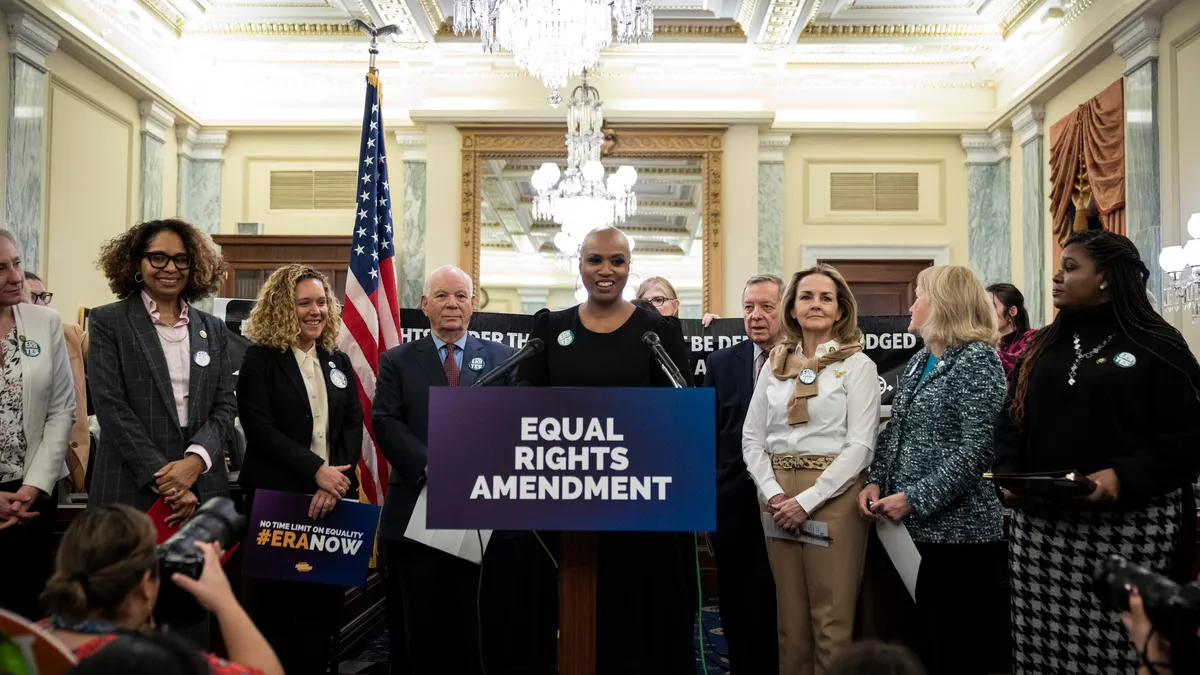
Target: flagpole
(390, 29)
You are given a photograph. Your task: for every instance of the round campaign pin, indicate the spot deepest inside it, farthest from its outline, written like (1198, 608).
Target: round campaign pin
(808, 376)
(30, 348)
(1125, 360)
(202, 359)
(203, 333)
(565, 338)
(338, 378)
(476, 364)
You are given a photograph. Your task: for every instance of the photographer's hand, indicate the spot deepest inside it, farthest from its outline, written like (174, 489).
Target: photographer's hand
(1154, 653)
(243, 641)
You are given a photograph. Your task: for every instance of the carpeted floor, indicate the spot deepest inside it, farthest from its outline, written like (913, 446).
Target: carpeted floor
(372, 658)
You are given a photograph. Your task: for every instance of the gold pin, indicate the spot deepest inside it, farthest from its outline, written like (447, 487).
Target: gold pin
(203, 334)
(1101, 360)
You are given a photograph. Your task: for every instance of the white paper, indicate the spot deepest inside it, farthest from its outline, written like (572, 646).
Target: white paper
(811, 532)
(904, 554)
(463, 544)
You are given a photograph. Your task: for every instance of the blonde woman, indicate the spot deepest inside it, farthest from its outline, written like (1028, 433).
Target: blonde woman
(298, 404)
(660, 294)
(929, 464)
(808, 439)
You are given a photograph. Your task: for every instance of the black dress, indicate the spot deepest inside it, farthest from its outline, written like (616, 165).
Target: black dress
(646, 581)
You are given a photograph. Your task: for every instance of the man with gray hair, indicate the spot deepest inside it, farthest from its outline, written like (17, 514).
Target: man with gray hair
(745, 586)
(432, 615)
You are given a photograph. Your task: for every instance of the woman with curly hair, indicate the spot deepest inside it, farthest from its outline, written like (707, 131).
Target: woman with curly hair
(298, 402)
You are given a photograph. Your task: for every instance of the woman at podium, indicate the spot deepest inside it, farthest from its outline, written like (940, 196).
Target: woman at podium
(1110, 391)
(646, 581)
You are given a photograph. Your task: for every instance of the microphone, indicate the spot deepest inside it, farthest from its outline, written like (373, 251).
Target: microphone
(533, 346)
(651, 339)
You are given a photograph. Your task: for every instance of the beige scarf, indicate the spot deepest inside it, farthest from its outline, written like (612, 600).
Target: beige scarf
(788, 362)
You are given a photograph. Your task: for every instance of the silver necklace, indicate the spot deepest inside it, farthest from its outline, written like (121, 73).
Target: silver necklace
(1080, 356)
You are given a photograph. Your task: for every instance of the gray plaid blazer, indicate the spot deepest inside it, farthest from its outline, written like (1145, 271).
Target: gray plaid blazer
(134, 404)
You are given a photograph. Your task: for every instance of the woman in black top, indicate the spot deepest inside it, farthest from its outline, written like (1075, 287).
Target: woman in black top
(645, 580)
(1110, 390)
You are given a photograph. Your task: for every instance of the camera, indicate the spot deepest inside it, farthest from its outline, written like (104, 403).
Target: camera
(1172, 609)
(216, 522)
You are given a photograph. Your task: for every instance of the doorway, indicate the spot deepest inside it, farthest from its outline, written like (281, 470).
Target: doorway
(882, 287)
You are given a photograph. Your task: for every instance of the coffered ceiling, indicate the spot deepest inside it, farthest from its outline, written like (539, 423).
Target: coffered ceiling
(235, 62)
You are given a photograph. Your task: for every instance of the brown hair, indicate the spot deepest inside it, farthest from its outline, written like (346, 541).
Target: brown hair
(104, 554)
(121, 259)
(845, 329)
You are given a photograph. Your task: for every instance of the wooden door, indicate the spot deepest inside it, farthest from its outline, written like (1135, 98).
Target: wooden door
(882, 287)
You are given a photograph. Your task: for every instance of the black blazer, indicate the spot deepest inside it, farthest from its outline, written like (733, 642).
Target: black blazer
(400, 415)
(731, 372)
(277, 420)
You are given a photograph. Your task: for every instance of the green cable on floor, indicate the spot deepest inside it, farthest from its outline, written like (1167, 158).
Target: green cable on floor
(699, 603)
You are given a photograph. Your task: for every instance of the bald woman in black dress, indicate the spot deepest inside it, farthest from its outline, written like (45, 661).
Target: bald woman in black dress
(646, 581)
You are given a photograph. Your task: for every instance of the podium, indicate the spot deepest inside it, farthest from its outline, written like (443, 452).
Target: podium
(579, 461)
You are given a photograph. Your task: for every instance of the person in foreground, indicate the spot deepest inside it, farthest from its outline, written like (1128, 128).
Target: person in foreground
(106, 582)
(645, 580)
(1110, 363)
(298, 403)
(1012, 320)
(808, 439)
(745, 586)
(37, 410)
(929, 465)
(870, 657)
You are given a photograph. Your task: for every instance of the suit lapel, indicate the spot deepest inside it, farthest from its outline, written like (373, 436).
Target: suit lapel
(26, 362)
(147, 337)
(427, 356)
(743, 369)
(291, 369)
(333, 395)
(939, 370)
(198, 375)
(474, 350)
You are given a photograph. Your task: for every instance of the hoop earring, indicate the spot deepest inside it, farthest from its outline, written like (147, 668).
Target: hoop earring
(138, 278)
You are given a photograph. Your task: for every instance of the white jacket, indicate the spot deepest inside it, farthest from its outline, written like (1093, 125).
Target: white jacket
(48, 391)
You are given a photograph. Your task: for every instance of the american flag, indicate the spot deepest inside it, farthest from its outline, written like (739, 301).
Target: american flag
(371, 311)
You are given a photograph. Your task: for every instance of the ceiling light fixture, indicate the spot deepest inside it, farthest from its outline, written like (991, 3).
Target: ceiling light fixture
(551, 39)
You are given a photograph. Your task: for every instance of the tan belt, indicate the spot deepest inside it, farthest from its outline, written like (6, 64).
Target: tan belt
(811, 462)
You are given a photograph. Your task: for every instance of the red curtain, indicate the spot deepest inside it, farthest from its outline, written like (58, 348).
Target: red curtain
(1087, 164)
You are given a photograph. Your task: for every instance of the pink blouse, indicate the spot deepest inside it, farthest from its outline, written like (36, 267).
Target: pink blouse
(177, 348)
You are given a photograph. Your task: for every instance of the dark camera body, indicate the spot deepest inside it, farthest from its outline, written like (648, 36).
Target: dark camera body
(216, 522)
(1172, 609)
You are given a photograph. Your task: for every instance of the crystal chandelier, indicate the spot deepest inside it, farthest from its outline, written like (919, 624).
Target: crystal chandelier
(582, 198)
(554, 40)
(1182, 267)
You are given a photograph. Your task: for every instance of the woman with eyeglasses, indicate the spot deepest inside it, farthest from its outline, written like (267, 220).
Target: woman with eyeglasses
(660, 294)
(162, 383)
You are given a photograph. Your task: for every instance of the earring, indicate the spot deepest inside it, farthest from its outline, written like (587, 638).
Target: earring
(1103, 286)
(138, 278)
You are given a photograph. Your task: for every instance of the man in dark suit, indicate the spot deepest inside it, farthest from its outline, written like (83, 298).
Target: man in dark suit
(436, 592)
(745, 586)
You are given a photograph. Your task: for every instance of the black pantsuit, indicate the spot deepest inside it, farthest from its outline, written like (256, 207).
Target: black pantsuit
(27, 556)
(953, 578)
(298, 619)
(446, 640)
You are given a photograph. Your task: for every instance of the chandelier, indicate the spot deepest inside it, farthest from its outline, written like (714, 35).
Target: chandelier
(1182, 267)
(582, 198)
(554, 40)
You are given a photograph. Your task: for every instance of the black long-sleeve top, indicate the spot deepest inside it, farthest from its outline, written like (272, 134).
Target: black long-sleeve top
(1133, 408)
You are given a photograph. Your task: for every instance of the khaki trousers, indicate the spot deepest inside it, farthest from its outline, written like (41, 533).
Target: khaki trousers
(817, 587)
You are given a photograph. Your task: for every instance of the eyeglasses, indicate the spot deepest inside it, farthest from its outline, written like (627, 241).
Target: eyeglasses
(658, 300)
(44, 297)
(158, 260)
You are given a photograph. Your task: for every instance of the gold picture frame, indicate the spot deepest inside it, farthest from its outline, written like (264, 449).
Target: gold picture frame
(703, 143)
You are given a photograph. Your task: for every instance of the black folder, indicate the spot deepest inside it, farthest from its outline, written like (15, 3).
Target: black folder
(1054, 486)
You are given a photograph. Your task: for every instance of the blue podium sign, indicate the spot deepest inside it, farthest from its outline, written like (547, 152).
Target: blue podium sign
(525, 458)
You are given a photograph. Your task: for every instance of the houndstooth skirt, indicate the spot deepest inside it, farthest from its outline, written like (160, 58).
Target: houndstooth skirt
(1059, 623)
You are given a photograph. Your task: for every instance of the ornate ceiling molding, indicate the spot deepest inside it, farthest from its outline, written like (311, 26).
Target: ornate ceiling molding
(987, 148)
(201, 145)
(156, 119)
(893, 31)
(663, 30)
(1138, 42)
(31, 39)
(785, 19)
(772, 146)
(1029, 122)
(266, 29)
(166, 13)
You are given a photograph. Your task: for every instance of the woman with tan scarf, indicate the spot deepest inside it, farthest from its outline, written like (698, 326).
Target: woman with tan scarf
(809, 437)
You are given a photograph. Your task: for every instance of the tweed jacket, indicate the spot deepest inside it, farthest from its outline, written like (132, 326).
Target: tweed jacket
(938, 445)
(135, 406)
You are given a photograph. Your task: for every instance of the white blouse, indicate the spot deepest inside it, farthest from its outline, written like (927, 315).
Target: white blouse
(842, 421)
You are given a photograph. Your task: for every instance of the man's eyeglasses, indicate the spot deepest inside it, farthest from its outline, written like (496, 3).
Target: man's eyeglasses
(43, 297)
(658, 300)
(158, 260)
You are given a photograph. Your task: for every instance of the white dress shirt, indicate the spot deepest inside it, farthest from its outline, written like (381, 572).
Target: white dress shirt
(314, 382)
(842, 421)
